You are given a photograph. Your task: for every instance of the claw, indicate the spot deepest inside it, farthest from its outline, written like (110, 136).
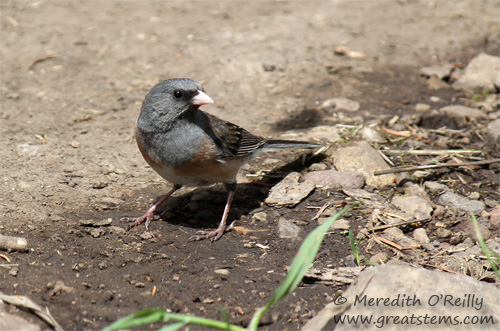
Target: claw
(212, 235)
(150, 213)
(146, 219)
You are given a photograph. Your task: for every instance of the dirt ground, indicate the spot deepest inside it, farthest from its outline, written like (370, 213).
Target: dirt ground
(73, 76)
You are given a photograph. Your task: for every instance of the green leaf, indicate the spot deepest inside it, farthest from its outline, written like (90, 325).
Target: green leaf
(300, 264)
(173, 326)
(486, 250)
(140, 318)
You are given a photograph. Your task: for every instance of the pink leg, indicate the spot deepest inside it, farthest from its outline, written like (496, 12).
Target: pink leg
(148, 216)
(217, 233)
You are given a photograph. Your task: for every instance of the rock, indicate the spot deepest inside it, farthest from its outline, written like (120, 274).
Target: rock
(25, 149)
(468, 227)
(461, 114)
(108, 202)
(365, 196)
(435, 187)
(269, 65)
(222, 271)
(482, 73)
(96, 223)
(422, 107)
(287, 229)
(14, 322)
(344, 50)
(495, 217)
(96, 232)
(435, 83)
(415, 206)
(116, 230)
(336, 276)
(415, 190)
(11, 243)
(420, 235)
(289, 192)
(396, 235)
(456, 238)
(322, 132)
(491, 203)
(340, 224)
(439, 71)
(451, 116)
(435, 99)
(261, 217)
(363, 158)
(442, 233)
(400, 291)
(379, 258)
(318, 167)
(474, 196)
(393, 234)
(371, 135)
(493, 136)
(340, 104)
(451, 199)
(336, 179)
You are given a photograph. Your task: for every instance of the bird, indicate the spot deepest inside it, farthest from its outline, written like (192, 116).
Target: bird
(189, 147)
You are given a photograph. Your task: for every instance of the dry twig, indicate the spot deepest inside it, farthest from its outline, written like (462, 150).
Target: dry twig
(41, 59)
(383, 227)
(431, 151)
(435, 166)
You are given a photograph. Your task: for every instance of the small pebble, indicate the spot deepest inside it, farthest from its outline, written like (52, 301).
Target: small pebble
(420, 235)
(474, 196)
(269, 65)
(222, 271)
(442, 233)
(261, 217)
(379, 258)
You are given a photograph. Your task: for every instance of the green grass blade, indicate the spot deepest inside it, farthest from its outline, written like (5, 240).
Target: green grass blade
(354, 246)
(160, 315)
(486, 250)
(172, 327)
(300, 264)
(140, 318)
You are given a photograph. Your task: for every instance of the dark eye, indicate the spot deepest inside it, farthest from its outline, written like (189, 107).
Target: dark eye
(177, 94)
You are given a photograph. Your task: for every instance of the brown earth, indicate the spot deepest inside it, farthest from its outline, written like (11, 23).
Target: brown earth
(73, 76)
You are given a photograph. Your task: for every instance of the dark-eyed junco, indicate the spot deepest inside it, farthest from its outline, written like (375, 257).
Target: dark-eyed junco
(189, 147)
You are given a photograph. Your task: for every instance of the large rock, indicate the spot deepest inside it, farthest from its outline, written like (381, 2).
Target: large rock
(415, 206)
(336, 179)
(458, 201)
(394, 297)
(365, 159)
(482, 73)
(289, 192)
(460, 115)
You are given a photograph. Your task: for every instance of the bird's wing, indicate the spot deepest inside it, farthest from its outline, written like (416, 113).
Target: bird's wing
(232, 139)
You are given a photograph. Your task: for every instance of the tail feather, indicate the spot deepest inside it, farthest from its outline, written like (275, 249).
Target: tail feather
(271, 145)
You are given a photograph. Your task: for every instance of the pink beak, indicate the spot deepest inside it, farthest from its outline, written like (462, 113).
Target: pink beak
(201, 99)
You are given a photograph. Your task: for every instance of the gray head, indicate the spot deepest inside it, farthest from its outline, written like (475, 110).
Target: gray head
(172, 98)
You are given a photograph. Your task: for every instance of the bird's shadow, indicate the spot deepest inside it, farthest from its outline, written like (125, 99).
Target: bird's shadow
(202, 207)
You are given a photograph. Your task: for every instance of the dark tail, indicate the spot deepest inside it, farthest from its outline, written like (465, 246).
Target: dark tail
(288, 144)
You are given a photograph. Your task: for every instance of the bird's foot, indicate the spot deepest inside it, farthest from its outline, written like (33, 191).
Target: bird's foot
(213, 235)
(146, 219)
